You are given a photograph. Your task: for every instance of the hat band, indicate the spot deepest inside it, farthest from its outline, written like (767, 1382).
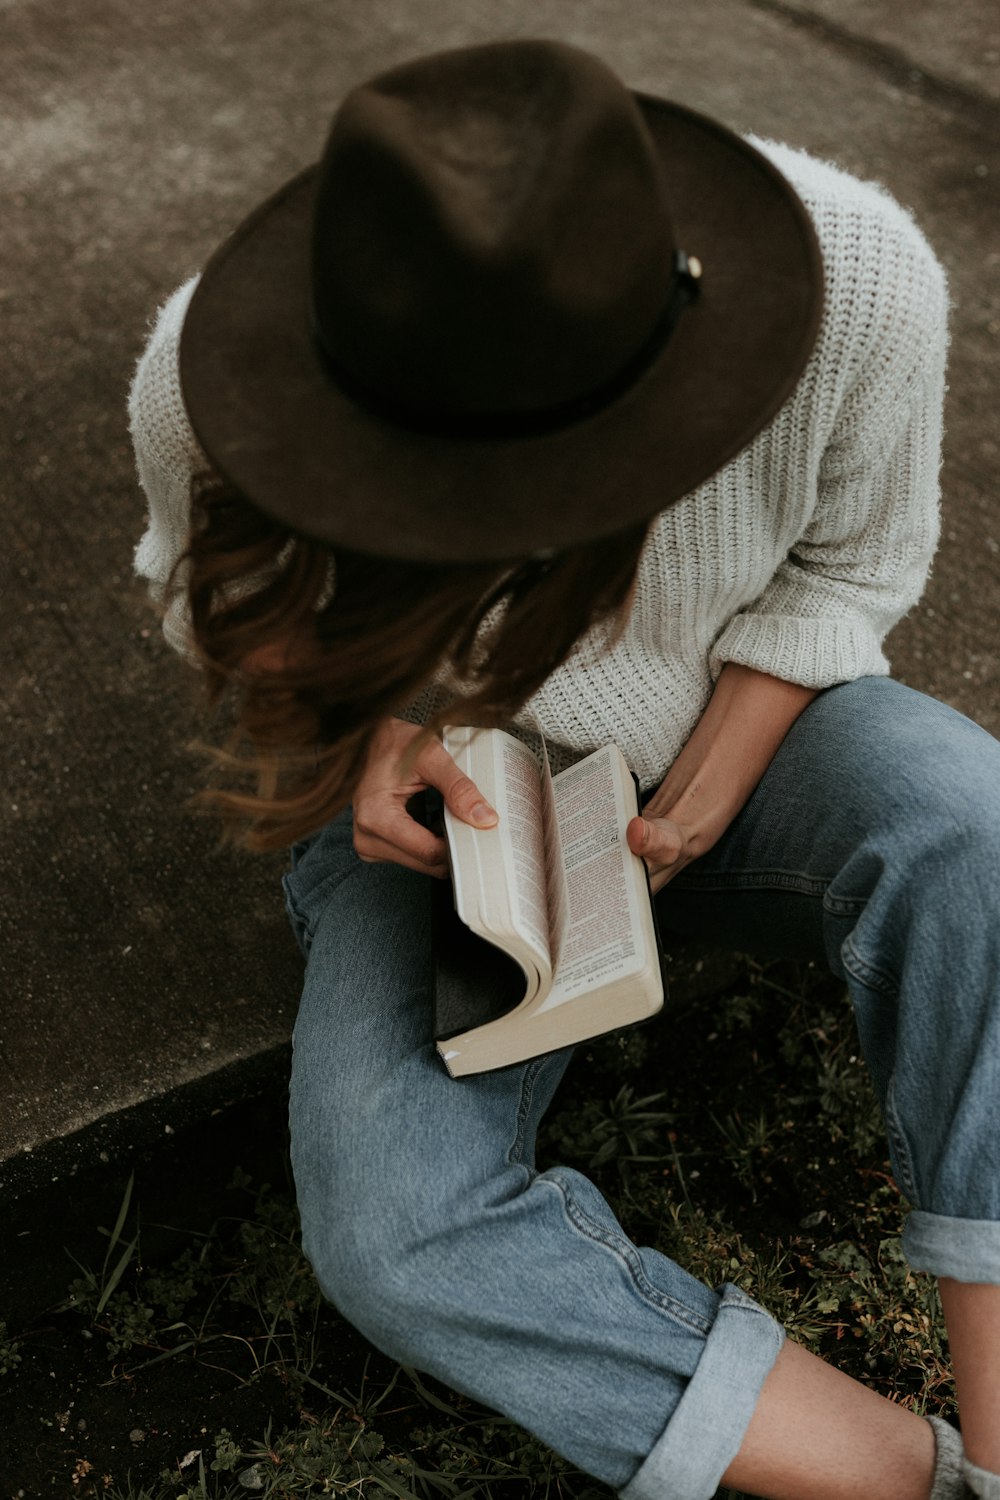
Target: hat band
(498, 426)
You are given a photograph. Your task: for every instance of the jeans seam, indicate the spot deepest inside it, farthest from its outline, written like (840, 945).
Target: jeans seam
(869, 975)
(329, 882)
(901, 1147)
(300, 927)
(531, 1072)
(811, 886)
(844, 906)
(749, 880)
(881, 983)
(627, 1254)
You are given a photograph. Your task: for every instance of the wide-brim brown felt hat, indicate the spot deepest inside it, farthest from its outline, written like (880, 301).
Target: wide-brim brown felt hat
(515, 307)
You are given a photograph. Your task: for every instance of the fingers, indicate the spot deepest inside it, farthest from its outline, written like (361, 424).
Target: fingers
(385, 831)
(383, 828)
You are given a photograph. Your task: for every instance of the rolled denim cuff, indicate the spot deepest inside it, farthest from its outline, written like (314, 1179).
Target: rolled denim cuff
(965, 1249)
(709, 1422)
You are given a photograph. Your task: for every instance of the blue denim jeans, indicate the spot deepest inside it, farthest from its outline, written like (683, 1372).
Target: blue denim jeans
(873, 842)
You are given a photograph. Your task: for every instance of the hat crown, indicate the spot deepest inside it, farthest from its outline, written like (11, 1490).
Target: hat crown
(492, 233)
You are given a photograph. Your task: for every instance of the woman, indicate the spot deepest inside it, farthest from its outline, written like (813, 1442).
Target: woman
(535, 389)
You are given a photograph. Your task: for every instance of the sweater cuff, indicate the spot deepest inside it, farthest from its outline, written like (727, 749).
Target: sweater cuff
(177, 630)
(813, 653)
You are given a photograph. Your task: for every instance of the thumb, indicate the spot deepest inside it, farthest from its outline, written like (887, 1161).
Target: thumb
(659, 841)
(461, 795)
(637, 835)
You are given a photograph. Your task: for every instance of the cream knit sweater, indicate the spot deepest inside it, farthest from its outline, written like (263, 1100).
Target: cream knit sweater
(796, 558)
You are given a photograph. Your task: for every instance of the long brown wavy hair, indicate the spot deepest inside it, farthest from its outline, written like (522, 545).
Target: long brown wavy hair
(320, 645)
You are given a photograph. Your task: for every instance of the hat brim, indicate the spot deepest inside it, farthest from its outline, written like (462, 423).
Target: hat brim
(275, 425)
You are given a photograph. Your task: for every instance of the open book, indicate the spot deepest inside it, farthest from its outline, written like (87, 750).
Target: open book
(555, 888)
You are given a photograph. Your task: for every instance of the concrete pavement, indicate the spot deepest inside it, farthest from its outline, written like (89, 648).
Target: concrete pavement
(137, 958)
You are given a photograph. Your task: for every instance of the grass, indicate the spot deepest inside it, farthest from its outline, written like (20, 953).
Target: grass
(741, 1137)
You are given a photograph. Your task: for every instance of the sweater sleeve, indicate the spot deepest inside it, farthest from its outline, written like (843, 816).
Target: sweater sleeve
(167, 456)
(862, 559)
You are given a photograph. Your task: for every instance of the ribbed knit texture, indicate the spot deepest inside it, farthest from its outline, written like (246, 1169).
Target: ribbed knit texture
(796, 558)
(982, 1483)
(167, 456)
(949, 1483)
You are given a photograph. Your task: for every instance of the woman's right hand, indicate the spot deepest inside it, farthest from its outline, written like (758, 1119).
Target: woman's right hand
(383, 829)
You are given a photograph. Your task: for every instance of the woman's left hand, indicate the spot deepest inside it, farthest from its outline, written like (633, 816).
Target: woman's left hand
(663, 844)
(731, 747)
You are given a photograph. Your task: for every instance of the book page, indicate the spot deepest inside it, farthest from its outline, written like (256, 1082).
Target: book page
(601, 886)
(496, 872)
(555, 881)
(519, 806)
